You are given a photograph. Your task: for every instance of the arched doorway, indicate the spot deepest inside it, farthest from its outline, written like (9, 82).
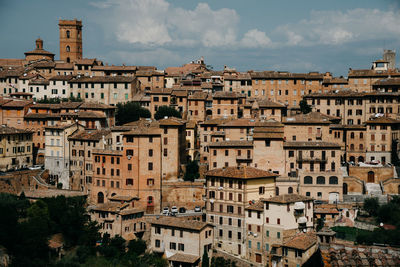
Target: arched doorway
(344, 189)
(100, 197)
(371, 177)
(352, 159)
(290, 190)
(360, 159)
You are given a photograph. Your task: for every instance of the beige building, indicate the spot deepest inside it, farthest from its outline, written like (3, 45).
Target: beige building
(181, 240)
(229, 190)
(57, 152)
(16, 148)
(119, 217)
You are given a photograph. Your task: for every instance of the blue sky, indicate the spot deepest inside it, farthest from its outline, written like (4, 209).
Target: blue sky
(297, 36)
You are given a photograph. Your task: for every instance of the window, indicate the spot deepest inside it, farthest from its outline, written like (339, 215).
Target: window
(172, 245)
(181, 247)
(150, 166)
(67, 48)
(333, 180)
(261, 190)
(129, 181)
(308, 180)
(320, 180)
(158, 243)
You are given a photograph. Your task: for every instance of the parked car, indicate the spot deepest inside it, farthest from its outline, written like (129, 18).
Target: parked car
(174, 209)
(165, 211)
(182, 210)
(197, 209)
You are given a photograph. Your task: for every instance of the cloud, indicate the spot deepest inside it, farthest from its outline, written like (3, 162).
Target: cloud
(339, 27)
(157, 23)
(255, 38)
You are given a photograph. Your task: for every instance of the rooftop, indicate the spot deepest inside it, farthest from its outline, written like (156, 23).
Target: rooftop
(287, 198)
(183, 223)
(241, 173)
(302, 241)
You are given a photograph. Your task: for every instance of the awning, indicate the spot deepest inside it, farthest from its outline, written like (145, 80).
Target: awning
(299, 206)
(302, 220)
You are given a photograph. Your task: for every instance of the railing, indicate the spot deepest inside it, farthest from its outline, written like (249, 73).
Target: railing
(309, 159)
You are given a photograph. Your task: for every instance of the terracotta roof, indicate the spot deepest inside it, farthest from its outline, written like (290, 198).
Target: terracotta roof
(39, 52)
(39, 115)
(61, 78)
(313, 144)
(89, 135)
(171, 122)
(181, 93)
(335, 80)
(287, 198)
(183, 257)
(238, 76)
(336, 94)
(285, 75)
(240, 172)
(387, 81)
(11, 62)
(85, 61)
(372, 73)
(69, 105)
(152, 131)
(224, 94)
(268, 135)
(84, 114)
(190, 124)
(302, 241)
(11, 130)
(182, 222)
(310, 118)
(383, 120)
(233, 143)
(45, 106)
(259, 206)
(115, 68)
(60, 127)
(102, 79)
(161, 91)
(216, 121)
(45, 64)
(109, 207)
(122, 198)
(64, 66)
(93, 105)
(17, 103)
(198, 96)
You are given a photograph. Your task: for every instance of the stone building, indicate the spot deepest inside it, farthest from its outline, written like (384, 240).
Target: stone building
(182, 241)
(229, 190)
(16, 148)
(70, 40)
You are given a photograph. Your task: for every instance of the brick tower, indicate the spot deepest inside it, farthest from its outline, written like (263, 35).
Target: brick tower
(70, 40)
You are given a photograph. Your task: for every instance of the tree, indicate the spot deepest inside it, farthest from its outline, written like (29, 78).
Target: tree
(205, 261)
(192, 171)
(165, 111)
(371, 205)
(137, 246)
(304, 107)
(130, 111)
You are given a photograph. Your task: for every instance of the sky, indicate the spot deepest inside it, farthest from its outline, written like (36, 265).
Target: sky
(295, 36)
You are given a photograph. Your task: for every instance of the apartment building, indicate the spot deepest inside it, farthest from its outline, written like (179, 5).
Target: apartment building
(230, 154)
(181, 240)
(12, 112)
(197, 106)
(82, 143)
(226, 104)
(16, 148)
(119, 217)
(109, 90)
(229, 191)
(57, 152)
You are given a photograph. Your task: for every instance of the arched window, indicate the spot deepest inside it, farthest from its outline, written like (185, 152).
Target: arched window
(352, 147)
(149, 201)
(360, 159)
(290, 190)
(352, 159)
(361, 147)
(308, 180)
(333, 180)
(277, 191)
(68, 34)
(100, 197)
(113, 194)
(320, 180)
(68, 49)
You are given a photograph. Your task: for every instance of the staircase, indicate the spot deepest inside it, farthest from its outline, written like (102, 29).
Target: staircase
(373, 189)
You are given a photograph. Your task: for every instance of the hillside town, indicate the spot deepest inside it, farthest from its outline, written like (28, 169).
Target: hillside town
(254, 168)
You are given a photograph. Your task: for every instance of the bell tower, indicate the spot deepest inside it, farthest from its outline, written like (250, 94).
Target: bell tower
(70, 40)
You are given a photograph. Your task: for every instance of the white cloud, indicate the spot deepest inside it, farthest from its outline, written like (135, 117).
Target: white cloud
(157, 23)
(255, 38)
(337, 27)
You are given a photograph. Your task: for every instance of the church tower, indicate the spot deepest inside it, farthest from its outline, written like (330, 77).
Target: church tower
(70, 40)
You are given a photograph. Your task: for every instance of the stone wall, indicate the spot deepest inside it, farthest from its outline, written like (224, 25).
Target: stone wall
(380, 173)
(183, 194)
